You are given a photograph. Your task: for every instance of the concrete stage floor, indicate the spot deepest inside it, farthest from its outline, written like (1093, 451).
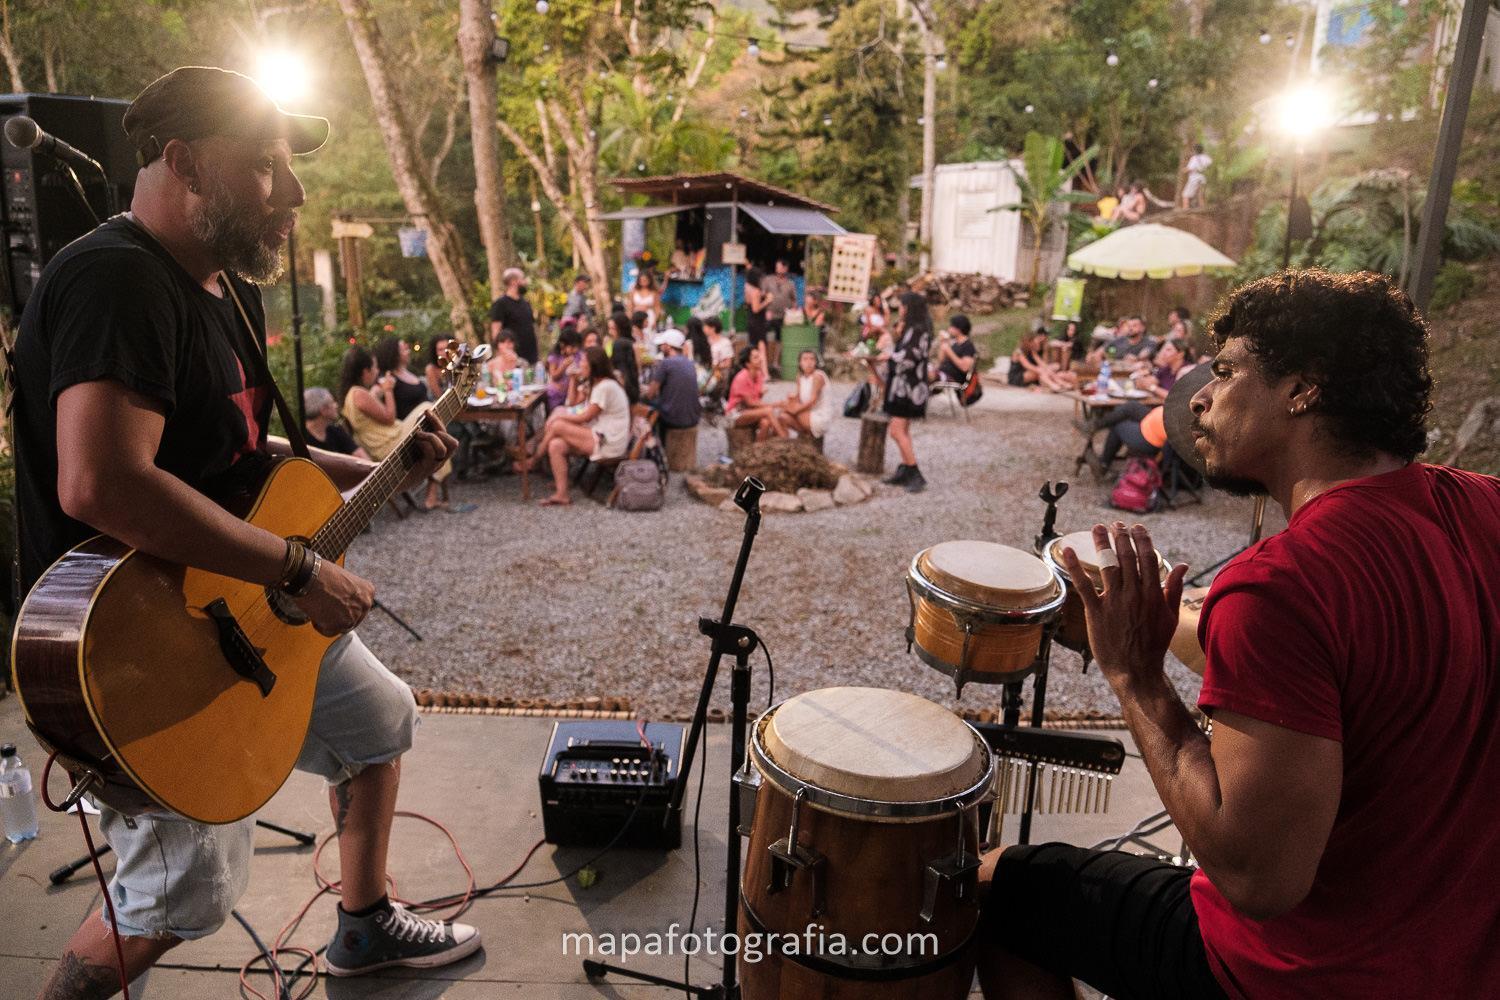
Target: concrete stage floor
(478, 775)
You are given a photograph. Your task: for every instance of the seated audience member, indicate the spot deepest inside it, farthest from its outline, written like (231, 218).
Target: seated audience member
(1170, 363)
(1131, 346)
(505, 359)
(435, 363)
(720, 347)
(697, 348)
(588, 337)
(1029, 365)
(622, 355)
(578, 308)
(1132, 207)
(817, 315)
(639, 320)
(393, 355)
(370, 410)
(322, 427)
(956, 352)
(674, 389)
(598, 429)
(558, 363)
(810, 411)
(746, 408)
(1068, 344)
(875, 321)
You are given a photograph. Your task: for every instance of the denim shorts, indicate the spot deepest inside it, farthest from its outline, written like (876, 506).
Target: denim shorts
(174, 877)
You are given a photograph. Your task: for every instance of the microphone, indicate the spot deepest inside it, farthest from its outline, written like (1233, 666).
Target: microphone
(24, 133)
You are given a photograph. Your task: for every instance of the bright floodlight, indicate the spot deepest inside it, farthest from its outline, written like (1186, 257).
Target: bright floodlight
(283, 75)
(1305, 110)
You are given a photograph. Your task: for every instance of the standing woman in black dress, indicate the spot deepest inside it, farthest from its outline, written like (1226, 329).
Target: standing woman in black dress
(757, 325)
(906, 388)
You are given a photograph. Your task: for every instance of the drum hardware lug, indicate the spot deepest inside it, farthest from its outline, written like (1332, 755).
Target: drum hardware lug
(959, 869)
(962, 673)
(789, 857)
(911, 623)
(747, 787)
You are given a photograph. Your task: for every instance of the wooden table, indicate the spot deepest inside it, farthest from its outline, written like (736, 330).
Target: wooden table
(1091, 411)
(502, 412)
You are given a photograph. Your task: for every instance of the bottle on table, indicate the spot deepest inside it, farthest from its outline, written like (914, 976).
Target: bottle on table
(17, 796)
(1101, 384)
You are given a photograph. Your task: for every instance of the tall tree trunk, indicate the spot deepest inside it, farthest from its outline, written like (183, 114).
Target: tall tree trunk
(8, 53)
(444, 248)
(929, 134)
(475, 33)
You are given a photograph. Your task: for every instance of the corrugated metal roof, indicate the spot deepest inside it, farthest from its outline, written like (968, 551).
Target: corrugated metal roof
(643, 212)
(698, 189)
(785, 220)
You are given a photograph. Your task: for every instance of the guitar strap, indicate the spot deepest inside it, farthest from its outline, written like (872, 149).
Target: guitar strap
(263, 372)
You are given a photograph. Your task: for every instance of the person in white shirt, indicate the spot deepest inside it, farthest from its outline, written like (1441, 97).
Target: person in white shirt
(598, 429)
(810, 411)
(1197, 177)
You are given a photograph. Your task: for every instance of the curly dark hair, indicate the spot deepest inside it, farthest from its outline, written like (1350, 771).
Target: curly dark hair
(1355, 336)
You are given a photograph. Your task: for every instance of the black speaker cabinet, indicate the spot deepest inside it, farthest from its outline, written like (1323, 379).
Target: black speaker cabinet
(39, 210)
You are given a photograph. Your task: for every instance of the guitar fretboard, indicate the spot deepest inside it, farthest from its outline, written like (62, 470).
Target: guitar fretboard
(335, 536)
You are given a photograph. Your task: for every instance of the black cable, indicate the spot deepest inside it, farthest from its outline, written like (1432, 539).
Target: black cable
(771, 673)
(275, 970)
(687, 957)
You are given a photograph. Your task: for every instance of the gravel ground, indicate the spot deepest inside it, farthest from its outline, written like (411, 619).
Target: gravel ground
(565, 603)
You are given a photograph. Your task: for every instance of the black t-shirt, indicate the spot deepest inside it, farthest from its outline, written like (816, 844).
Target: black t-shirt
(409, 396)
(116, 305)
(515, 315)
(951, 372)
(337, 439)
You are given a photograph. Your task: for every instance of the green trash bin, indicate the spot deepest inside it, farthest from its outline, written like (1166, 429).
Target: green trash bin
(795, 340)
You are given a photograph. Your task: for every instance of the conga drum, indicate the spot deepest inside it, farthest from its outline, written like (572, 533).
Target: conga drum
(864, 847)
(978, 610)
(1185, 645)
(1072, 630)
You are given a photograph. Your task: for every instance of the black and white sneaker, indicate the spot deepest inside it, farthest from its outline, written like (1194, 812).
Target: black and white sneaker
(391, 937)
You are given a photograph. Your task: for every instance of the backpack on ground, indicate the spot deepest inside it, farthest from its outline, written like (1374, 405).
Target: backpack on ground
(638, 485)
(1138, 486)
(973, 389)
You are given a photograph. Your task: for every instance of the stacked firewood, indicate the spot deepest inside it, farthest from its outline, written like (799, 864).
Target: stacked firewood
(970, 293)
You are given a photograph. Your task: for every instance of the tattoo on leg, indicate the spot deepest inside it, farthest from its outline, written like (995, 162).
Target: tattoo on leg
(343, 796)
(75, 979)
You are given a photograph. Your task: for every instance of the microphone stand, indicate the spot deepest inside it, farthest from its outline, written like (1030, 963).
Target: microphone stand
(739, 642)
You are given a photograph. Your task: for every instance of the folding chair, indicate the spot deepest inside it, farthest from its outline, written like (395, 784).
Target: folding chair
(956, 390)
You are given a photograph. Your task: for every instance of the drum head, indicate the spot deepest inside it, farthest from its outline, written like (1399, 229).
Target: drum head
(873, 743)
(994, 575)
(1082, 544)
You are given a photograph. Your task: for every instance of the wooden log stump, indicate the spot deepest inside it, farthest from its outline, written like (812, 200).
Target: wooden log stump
(872, 432)
(682, 448)
(740, 438)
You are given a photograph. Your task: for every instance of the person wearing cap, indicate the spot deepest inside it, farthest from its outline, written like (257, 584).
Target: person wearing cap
(140, 401)
(673, 391)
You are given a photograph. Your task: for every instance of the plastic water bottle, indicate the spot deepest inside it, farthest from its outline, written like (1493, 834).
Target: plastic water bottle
(17, 799)
(1101, 384)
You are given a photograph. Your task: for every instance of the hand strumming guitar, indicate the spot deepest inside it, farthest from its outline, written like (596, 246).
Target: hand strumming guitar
(338, 600)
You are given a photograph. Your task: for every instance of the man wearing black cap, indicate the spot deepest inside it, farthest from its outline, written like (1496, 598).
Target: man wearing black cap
(138, 404)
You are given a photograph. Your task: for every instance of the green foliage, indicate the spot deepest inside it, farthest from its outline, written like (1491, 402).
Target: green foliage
(1450, 286)
(1044, 184)
(1369, 221)
(1380, 71)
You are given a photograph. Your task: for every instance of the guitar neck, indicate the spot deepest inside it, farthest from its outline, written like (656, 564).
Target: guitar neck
(335, 536)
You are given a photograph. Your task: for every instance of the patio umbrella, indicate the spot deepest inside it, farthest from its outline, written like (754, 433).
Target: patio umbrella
(1148, 250)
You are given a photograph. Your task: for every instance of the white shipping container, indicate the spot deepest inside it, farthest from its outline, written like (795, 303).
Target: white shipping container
(968, 237)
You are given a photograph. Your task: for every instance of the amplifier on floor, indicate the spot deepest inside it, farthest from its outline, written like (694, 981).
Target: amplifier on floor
(594, 775)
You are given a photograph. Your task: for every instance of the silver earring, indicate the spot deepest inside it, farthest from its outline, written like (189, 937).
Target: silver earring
(193, 188)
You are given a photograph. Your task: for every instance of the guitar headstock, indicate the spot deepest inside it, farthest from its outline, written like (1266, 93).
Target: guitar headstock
(464, 367)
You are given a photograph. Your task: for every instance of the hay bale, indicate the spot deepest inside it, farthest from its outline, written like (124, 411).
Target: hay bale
(783, 465)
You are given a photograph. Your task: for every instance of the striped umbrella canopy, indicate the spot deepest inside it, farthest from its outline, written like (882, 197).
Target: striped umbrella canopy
(1148, 250)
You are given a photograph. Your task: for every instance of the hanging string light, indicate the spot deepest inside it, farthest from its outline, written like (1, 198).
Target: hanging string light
(1291, 41)
(942, 63)
(753, 49)
(1153, 83)
(827, 120)
(1112, 59)
(542, 6)
(1265, 37)
(1030, 108)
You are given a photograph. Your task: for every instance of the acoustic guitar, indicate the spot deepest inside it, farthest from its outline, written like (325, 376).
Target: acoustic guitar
(169, 687)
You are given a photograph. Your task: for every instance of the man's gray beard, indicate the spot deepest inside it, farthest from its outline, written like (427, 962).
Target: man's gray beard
(237, 242)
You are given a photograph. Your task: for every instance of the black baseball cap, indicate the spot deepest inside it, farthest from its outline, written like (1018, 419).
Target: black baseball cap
(193, 102)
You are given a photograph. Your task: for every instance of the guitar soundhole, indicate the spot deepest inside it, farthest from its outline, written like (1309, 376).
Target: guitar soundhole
(286, 609)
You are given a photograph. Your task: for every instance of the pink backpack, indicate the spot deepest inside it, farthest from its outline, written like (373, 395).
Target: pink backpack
(1137, 487)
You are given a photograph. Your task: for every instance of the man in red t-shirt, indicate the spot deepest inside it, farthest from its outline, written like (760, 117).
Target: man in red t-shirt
(1341, 815)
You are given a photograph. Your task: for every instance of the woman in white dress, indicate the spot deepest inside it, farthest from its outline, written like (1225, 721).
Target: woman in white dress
(598, 429)
(646, 297)
(810, 411)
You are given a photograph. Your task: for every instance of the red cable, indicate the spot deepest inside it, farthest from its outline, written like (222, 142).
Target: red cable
(88, 839)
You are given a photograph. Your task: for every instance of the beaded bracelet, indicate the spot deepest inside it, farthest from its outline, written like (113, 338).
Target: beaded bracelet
(307, 572)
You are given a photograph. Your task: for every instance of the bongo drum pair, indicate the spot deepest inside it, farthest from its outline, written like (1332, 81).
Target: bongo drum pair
(862, 808)
(979, 610)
